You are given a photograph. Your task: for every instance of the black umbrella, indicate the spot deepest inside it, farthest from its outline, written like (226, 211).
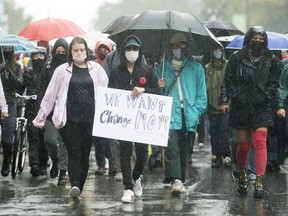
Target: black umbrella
(156, 27)
(221, 28)
(114, 25)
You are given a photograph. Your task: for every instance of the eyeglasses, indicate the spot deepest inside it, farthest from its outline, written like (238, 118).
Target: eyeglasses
(132, 48)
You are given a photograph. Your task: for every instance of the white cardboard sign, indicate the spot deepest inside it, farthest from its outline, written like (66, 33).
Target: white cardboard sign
(142, 119)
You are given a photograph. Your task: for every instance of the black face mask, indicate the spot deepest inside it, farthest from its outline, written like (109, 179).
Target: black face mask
(59, 59)
(102, 56)
(257, 48)
(8, 55)
(37, 64)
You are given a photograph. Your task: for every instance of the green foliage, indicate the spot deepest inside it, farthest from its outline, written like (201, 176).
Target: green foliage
(16, 20)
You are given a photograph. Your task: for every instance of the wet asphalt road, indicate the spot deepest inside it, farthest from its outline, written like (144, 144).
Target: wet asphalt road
(208, 192)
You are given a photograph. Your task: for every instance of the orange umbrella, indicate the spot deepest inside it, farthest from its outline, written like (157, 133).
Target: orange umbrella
(50, 28)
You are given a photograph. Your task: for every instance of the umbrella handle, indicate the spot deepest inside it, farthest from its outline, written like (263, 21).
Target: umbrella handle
(163, 64)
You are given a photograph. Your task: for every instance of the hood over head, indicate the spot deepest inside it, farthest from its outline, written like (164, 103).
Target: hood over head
(253, 31)
(131, 40)
(60, 42)
(99, 44)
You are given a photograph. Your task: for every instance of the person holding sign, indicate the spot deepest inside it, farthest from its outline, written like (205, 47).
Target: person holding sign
(133, 75)
(71, 95)
(183, 79)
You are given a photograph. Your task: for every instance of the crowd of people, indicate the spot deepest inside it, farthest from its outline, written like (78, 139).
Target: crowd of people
(243, 96)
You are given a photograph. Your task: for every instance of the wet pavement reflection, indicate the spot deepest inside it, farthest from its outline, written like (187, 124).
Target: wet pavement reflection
(208, 192)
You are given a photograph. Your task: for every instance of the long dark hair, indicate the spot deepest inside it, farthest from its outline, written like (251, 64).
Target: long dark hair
(77, 40)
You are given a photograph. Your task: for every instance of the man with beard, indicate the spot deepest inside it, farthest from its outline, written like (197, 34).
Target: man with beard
(251, 81)
(52, 139)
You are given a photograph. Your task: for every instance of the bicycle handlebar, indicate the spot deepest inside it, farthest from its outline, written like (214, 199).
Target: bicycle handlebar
(27, 97)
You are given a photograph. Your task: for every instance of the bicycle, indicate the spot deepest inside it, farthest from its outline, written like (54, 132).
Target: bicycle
(20, 145)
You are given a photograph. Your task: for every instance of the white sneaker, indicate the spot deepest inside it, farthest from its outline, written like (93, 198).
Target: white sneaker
(201, 145)
(74, 192)
(118, 176)
(128, 196)
(177, 187)
(137, 188)
(227, 161)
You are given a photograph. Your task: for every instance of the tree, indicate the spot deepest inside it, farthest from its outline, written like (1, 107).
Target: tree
(15, 17)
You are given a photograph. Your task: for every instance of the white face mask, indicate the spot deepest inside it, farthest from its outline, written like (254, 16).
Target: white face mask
(79, 58)
(132, 56)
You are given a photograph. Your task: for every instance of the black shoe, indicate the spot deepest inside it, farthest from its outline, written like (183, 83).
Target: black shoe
(259, 191)
(113, 169)
(62, 177)
(34, 171)
(242, 185)
(54, 170)
(217, 162)
(43, 170)
(235, 173)
(5, 168)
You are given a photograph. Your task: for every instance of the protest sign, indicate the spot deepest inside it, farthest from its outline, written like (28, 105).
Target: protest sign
(142, 119)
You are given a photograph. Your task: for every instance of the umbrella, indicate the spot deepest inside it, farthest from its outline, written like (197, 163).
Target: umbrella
(50, 28)
(115, 23)
(219, 28)
(156, 27)
(20, 44)
(276, 41)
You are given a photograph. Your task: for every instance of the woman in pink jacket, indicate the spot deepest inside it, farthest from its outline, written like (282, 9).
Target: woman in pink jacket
(71, 95)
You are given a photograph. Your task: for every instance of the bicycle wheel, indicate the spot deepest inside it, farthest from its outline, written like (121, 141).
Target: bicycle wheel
(16, 151)
(23, 151)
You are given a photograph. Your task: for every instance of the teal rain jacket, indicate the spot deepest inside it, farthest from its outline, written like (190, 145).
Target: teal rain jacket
(193, 85)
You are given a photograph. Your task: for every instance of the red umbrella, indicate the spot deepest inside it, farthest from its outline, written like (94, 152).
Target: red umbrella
(50, 28)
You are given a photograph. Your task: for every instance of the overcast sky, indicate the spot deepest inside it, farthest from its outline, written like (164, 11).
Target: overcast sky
(80, 12)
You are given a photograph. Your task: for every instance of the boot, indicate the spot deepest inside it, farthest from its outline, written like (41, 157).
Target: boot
(7, 153)
(62, 177)
(242, 185)
(259, 191)
(54, 170)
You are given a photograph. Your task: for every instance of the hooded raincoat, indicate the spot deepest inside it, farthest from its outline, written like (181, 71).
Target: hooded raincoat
(251, 85)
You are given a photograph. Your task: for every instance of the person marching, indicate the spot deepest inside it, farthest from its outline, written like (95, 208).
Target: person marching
(71, 95)
(137, 77)
(184, 80)
(251, 82)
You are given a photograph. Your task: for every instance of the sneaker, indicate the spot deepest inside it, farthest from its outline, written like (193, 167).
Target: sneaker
(177, 187)
(201, 146)
(138, 188)
(100, 171)
(251, 178)
(34, 171)
(74, 192)
(128, 196)
(113, 169)
(118, 176)
(227, 162)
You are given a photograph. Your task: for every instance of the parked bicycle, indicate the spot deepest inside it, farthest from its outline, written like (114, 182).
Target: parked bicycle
(20, 146)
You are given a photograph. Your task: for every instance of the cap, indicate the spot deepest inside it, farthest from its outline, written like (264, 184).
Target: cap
(178, 37)
(132, 42)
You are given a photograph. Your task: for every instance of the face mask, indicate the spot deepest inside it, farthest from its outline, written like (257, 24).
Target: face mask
(131, 56)
(177, 53)
(37, 64)
(257, 48)
(102, 56)
(59, 59)
(79, 58)
(217, 54)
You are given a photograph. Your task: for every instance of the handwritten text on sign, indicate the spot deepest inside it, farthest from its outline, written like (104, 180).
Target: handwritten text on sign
(143, 119)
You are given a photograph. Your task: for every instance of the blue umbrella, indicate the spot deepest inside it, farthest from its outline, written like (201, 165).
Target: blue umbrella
(20, 44)
(276, 41)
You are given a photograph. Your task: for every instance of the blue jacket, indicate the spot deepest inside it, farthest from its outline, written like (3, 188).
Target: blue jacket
(193, 85)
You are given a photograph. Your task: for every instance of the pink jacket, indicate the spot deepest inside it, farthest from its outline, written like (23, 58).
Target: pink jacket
(56, 94)
(3, 103)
